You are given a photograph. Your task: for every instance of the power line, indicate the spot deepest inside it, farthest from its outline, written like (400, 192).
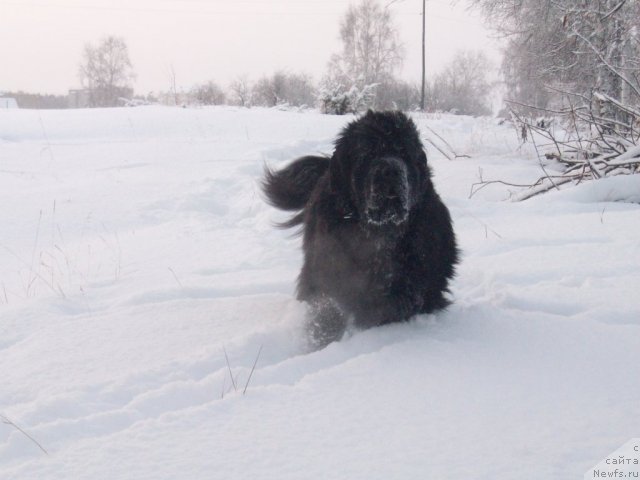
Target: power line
(277, 4)
(197, 11)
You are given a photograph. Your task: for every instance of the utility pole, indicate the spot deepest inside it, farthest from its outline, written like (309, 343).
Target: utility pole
(423, 53)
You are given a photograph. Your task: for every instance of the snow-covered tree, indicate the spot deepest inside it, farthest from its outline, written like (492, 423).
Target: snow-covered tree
(371, 54)
(578, 61)
(575, 46)
(339, 99)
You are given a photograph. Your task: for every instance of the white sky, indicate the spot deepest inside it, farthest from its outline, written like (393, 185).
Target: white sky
(41, 41)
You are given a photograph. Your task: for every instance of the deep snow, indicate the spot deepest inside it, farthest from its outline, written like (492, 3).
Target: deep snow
(136, 250)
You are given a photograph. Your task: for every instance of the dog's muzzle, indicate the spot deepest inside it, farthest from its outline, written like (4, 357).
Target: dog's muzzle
(387, 192)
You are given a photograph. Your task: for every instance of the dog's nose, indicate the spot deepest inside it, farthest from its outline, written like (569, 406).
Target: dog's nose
(387, 186)
(387, 178)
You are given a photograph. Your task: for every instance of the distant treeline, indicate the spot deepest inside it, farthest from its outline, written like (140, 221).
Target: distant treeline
(37, 100)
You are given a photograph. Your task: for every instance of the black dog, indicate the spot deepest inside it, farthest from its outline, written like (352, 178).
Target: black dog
(378, 244)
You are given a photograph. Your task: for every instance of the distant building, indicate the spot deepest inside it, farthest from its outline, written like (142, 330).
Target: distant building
(8, 102)
(78, 98)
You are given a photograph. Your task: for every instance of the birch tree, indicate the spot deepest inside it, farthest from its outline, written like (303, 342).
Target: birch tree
(370, 57)
(106, 72)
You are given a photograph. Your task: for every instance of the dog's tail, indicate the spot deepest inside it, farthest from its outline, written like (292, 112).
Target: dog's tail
(290, 188)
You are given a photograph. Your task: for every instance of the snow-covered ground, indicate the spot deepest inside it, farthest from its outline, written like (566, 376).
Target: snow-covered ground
(139, 270)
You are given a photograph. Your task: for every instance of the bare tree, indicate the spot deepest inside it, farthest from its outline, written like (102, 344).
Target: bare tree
(241, 89)
(462, 86)
(173, 89)
(284, 88)
(398, 95)
(208, 93)
(299, 90)
(106, 72)
(265, 92)
(371, 49)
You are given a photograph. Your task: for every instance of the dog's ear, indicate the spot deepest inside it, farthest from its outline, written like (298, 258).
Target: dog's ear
(424, 164)
(425, 171)
(337, 174)
(340, 187)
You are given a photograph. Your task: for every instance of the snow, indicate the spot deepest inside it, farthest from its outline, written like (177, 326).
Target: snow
(138, 255)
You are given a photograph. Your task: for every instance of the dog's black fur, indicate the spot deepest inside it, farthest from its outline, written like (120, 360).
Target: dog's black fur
(378, 244)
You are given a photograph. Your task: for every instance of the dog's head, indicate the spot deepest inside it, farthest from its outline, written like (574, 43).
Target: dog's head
(379, 168)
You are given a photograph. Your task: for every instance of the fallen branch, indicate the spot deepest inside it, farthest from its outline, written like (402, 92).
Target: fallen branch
(594, 147)
(483, 184)
(537, 190)
(438, 148)
(455, 155)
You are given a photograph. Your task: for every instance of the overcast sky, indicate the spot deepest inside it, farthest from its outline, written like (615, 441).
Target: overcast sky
(41, 41)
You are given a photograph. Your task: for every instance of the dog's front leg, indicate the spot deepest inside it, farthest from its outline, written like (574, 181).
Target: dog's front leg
(326, 322)
(395, 305)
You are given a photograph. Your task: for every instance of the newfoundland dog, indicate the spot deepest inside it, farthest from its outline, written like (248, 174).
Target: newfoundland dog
(378, 242)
